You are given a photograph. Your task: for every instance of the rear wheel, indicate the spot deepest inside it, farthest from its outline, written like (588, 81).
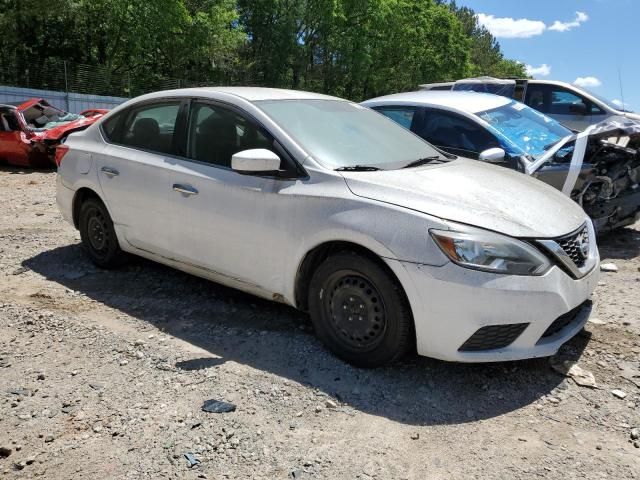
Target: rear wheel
(359, 310)
(98, 235)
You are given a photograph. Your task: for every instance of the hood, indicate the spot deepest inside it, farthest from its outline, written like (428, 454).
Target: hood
(47, 122)
(474, 193)
(59, 131)
(632, 116)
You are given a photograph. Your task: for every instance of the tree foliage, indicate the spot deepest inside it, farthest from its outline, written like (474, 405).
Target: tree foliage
(352, 48)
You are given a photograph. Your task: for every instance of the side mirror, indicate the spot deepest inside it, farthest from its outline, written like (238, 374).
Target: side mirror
(255, 161)
(578, 109)
(493, 155)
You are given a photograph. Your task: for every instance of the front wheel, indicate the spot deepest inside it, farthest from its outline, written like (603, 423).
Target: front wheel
(98, 235)
(359, 311)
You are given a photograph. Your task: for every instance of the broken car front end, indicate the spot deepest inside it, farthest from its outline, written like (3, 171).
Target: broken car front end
(599, 169)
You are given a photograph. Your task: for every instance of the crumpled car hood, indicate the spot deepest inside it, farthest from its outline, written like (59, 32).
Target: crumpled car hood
(56, 133)
(473, 193)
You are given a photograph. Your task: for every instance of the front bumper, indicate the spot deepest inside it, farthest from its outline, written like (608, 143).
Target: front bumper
(450, 304)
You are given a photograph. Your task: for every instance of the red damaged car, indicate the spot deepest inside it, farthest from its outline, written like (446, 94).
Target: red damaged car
(30, 131)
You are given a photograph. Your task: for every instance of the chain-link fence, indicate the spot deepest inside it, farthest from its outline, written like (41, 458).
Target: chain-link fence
(59, 75)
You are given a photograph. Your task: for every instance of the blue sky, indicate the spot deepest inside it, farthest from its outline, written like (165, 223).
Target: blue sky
(575, 39)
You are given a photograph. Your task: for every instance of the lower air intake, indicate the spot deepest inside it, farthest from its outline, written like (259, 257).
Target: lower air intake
(493, 337)
(565, 320)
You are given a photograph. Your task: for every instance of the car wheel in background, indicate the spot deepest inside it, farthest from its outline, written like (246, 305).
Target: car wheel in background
(359, 311)
(98, 235)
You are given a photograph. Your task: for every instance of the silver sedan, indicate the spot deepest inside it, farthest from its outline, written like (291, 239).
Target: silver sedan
(325, 205)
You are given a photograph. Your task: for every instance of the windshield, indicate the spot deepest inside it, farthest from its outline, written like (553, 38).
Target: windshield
(341, 134)
(525, 127)
(615, 104)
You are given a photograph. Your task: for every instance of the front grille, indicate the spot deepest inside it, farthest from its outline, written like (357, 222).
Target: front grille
(571, 252)
(493, 337)
(563, 321)
(573, 246)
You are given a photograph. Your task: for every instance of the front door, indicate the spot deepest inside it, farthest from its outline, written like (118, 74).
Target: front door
(223, 221)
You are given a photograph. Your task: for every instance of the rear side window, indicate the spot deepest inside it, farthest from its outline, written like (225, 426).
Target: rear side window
(151, 127)
(216, 133)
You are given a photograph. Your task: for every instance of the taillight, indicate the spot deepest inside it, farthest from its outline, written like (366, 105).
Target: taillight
(61, 151)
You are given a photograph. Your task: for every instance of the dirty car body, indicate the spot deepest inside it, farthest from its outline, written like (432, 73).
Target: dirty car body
(598, 168)
(30, 131)
(327, 206)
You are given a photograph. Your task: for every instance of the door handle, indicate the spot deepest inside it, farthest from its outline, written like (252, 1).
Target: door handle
(186, 189)
(110, 172)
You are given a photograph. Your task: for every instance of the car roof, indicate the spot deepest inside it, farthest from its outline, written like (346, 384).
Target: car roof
(251, 94)
(464, 101)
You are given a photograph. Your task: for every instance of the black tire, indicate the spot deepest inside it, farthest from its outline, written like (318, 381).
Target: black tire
(98, 235)
(359, 311)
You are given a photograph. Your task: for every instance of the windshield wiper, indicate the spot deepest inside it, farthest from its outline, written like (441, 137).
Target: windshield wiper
(357, 168)
(422, 161)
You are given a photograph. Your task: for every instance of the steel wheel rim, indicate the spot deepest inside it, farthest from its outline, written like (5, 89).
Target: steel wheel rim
(355, 310)
(98, 232)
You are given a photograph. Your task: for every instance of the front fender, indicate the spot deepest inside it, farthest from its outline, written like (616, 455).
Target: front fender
(388, 231)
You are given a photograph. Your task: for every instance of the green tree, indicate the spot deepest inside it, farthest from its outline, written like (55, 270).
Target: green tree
(351, 48)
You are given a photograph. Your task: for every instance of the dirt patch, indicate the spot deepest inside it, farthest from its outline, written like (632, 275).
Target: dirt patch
(103, 375)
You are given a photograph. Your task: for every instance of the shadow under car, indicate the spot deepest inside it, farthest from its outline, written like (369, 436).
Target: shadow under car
(274, 338)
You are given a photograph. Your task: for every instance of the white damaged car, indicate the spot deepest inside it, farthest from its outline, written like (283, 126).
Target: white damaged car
(327, 206)
(599, 168)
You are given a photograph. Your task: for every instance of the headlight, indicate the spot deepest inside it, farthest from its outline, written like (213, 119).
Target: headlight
(491, 252)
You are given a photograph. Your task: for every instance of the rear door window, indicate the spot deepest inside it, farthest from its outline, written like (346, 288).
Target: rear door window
(152, 127)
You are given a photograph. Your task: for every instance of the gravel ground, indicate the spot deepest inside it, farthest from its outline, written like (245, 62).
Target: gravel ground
(103, 375)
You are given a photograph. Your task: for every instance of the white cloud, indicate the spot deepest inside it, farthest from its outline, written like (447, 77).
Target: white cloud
(559, 26)
(507, 27)
(510, 27)
(587, 82)
(618, 103)
(543, 70)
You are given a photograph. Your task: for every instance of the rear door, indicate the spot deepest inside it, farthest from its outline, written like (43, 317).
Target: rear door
(134, 171)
